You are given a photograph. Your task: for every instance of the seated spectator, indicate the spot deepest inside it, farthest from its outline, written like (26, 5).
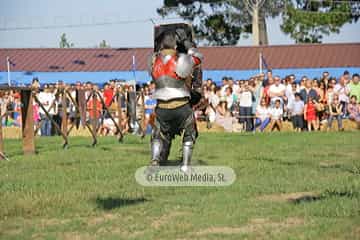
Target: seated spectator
(354, 110)
(223, 116)
(335, 112)
(262, 116)
(310, 114)
(276, 114)
(297, 113)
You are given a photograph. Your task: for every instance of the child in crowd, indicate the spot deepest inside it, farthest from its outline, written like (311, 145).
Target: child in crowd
(297, 113)
(354, 110)
(335, 112)
(310, 114)
(276, 114)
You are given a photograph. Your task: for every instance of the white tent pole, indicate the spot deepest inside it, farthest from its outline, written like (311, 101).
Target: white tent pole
(8, 70)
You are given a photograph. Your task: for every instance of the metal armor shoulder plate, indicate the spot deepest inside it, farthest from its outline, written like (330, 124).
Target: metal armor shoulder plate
(184, 66)
(195, 52)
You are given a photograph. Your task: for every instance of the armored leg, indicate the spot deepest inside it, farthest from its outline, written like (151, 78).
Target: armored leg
(190, 135)
(160, 145)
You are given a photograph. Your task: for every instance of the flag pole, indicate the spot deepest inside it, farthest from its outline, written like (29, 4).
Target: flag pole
(260, 63)
(8, 70)
(134, 70)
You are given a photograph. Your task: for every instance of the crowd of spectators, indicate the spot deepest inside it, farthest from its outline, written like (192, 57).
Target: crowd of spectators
(256, 104)
(265, 102)
(135, 114)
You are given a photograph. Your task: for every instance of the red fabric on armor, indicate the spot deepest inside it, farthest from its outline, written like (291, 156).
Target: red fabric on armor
(164, 69)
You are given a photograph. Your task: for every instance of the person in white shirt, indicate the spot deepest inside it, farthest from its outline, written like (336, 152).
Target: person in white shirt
(245, 106)
(277, 91)
(47, 99)
(276, 114)
(262, 115)
(343, 91)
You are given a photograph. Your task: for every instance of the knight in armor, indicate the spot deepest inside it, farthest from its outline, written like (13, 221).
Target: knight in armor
(172, 73)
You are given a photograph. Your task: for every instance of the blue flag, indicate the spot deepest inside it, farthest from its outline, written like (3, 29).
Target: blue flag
(11, 63)
(265, 65)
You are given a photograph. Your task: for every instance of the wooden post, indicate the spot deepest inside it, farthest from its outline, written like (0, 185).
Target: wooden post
(119, 110)
(27, 122)
(94, 113)
(64, 120)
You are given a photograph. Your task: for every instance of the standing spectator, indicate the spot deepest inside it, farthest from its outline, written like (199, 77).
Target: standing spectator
(277, 91)
(229, 98)
(297, 113)
(290, 95)
(262, 115)
(329, 94)
(302, 83)
(245, 104)
(98, 111)
(335, 111)
(325, 78)
(343, 91)
(150, 104)
(269, 78)
(308, 91)
(355, 87)
(257, 90)
(47, 99)
(266, 93)
(310, 113)
(346, 76)
(276, 114)
(354, 110)
(108, 95)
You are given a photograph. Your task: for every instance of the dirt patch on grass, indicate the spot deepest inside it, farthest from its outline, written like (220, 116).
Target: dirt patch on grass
(166, 218)
(96, 220)
(254, 226)
(291, 197)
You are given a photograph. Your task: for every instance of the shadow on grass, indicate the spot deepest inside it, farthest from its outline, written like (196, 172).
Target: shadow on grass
(171, 163)
(110, 203)
(326, 195)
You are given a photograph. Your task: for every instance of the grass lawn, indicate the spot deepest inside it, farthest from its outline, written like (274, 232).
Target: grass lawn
(288, 186)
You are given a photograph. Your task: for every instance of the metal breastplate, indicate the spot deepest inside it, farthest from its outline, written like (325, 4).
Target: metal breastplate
(168, 88)
(168, 85)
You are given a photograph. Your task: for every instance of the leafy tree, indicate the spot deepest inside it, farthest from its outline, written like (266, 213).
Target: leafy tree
(221, 22)
(104, 44)
(64, 43)
(309, 21)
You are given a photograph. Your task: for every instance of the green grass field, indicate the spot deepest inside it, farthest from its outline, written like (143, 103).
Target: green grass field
(288, 186)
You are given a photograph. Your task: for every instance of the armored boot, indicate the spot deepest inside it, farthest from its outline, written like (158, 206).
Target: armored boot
(187, 153)
(156, 149)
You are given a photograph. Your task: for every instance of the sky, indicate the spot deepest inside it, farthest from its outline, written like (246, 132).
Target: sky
(135, 30)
